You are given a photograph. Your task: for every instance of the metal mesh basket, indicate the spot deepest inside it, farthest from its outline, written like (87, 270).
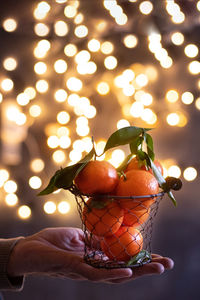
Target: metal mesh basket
(117, 230)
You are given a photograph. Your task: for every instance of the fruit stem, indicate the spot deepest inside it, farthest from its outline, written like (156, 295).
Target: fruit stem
(95, 154)
(124, 175)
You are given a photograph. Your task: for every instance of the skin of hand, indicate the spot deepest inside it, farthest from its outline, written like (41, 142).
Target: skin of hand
(58, 252)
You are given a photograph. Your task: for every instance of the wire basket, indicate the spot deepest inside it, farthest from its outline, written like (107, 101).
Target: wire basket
(117, 229)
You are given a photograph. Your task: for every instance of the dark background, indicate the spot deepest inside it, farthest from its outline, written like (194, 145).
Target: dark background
(176, 230)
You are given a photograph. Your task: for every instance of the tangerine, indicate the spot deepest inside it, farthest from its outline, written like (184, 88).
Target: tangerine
(97, 177)
(122, 245)
(105, 220)
(135, 217)
(137, 183)
(137, 165)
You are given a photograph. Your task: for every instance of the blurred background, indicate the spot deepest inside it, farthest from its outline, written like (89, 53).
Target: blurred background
(73, 69)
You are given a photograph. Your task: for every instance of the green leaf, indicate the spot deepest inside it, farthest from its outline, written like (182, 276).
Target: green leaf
(161, 180)
(140, 258)
(136, 144)
(171, 196)
(51, 186)
(63, 178)
(150, 148)
(124, 136)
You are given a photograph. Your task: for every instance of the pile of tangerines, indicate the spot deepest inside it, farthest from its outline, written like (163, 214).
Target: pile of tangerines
(114, 212)
(117, 202)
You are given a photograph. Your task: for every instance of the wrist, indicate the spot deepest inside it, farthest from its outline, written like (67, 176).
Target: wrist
(14, 261)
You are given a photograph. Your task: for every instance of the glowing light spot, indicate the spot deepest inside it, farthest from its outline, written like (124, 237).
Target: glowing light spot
(42, 86)
(10, 25)
(166, 62)
(174, 171)
(78, 18)
(187, 98)
(4, 175)
(53, 141)
(63, 117)
(60, 95)
(41, 29)
(122, 123)
(136, 109)
(82, 130)
(117, 157)
(128, 90)
(107, 47)
(60, 66)
(63, 207)
(75, 155)
(81, 31)
(194, 67)
(94, 45)
(7, 84)
(24, 212)
(10, 186)
(121, 19)
(40, 68)
(35, 110)
(35, 182)
(141, 80)
(191, 50)
(82, 57)
(59, 156)
(70, 50)
(173, 119)
(11, 199)
(49, 207)
(74, 84)
(103, 88)
(177, 38)
(37, 165)
(190, 174)
(65, 142)
(146, 7)
(70, 11)
(10, 63)
(61, 28)
(21, 119)
(110, 62)
(172, 96)
(197, 103)
(30, 91)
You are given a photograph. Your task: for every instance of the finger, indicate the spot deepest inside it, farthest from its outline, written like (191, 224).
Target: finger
(95, 274)
(148, 269)
(165, 261)
(153, 255)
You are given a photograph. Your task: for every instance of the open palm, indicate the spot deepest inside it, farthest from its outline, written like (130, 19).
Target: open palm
(59, 252)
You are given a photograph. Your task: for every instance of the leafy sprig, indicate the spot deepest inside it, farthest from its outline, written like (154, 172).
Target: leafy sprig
(137, 138)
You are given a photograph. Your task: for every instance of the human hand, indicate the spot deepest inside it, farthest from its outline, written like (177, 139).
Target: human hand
(58, 252)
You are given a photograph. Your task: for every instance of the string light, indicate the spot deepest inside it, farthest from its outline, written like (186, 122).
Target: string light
(63, 207)
(146, 7)
(24, 212)
(61, 28)
(49, 207)
(11, 199)
(10, 63)
(10, 24)
(7, 84)
(132, 87)
(190, 174)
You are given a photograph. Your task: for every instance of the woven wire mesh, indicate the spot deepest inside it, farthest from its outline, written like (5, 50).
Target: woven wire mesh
(117, 230)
